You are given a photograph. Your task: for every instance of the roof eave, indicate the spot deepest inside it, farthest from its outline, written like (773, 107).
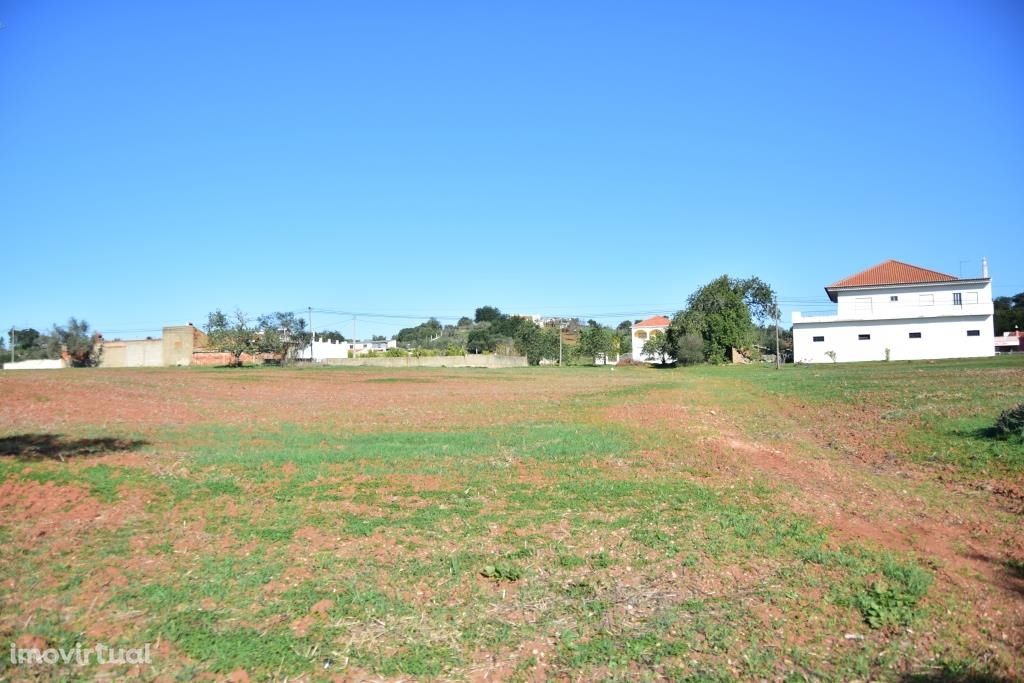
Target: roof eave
(833, 290)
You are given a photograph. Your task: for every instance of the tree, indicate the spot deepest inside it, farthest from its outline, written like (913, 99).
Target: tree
(720, 314)
(486, 314)
(234, 335)
(537, 342)
(1009, 313)
(596, 340)
(75, 339)
(464, 322)
(281, 334)
(480, 341)
(29, 344)
(330, 335)
(420, 334)
(759, 297)
(660, 346)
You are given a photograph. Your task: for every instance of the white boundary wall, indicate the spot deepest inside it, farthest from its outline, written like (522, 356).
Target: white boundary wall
(36, 365)
(467, 361)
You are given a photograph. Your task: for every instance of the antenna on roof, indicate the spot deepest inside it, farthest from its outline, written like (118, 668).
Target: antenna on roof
(984, 266)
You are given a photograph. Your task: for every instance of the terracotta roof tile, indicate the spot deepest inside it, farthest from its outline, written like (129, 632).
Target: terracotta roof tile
(656, 321)
(891, 273)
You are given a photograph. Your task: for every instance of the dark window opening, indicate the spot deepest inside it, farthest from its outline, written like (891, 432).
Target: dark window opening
(894, 298)
(819, 339)
(863, 337)
(973, 333)
(958, 299)
(915, 335)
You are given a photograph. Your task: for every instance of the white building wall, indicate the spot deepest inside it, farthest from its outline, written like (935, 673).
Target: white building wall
(322, 349)
(913, 301)
(325, 349)
(944, 337)
(889, 315)
(638, 343)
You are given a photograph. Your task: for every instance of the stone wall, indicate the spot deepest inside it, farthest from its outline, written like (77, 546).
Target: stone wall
(132, 353)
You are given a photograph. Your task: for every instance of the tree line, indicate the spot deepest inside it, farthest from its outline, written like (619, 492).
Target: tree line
(74, 340)
(1009, 313)
(723, 314)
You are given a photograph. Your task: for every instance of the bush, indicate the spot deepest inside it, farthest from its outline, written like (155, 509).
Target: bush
(1011, 422)
(690, 349)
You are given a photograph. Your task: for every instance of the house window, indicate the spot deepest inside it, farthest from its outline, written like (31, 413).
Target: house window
(894, 298)
(915, 335)
(926, 300)
(973, 333)
(641, 335)
(958, 299)
(818, 338)
(863, 337)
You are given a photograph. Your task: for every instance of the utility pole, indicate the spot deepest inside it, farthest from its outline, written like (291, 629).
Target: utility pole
(559, 344)
(12, 343)
(312, 335)
(778, 350)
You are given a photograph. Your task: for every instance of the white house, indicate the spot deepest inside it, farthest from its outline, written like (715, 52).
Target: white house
(896, 311)
(644, 330)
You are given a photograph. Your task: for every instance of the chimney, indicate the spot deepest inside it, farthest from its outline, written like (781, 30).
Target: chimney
(984, 266)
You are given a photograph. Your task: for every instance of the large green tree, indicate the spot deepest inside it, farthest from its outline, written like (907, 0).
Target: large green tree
(722, 314)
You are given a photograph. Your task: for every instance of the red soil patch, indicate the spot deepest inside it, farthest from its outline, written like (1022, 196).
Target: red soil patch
(152, 397)
(36, 510)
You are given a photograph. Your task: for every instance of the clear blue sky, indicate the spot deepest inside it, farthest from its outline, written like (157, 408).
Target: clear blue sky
(160, 160)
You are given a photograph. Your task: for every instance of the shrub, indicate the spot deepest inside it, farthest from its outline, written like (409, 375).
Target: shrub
(690, 349)
(1011, 422)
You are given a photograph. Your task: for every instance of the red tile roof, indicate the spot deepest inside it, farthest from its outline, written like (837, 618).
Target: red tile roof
(656, 321)
(889, 273)
(892, 273)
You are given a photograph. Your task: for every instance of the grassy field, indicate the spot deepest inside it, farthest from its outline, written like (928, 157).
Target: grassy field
(816, 523)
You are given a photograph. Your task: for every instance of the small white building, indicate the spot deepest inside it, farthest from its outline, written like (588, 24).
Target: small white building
(896, 311)
(326, 349)
(644, 330)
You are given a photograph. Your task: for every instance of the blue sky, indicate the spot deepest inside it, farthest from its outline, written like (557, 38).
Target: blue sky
(161, 160)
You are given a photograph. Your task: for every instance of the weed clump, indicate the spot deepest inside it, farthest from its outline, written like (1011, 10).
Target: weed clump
(1010, 423)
